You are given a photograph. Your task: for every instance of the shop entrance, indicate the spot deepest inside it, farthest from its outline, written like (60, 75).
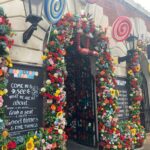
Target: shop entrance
(81, 99)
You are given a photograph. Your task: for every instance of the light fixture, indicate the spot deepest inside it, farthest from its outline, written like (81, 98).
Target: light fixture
(33, 9)
(131, 44)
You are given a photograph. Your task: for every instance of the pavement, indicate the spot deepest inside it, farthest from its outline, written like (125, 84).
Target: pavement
(147, 142)
(75, 146)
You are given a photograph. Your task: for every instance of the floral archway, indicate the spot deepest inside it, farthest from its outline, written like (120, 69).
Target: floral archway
(113, 134)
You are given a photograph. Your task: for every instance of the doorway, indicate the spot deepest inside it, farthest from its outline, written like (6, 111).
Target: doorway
(145, 105)
(81, 98)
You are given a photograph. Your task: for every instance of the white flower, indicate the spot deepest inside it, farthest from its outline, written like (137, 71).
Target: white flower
(115, 147)
(43, 89)
(48, 82)
(85, 19)
(102, 79)
(56, 75)
(46, 50)
(7, 49)
(60, 131)
(5, 91)
(55, 32)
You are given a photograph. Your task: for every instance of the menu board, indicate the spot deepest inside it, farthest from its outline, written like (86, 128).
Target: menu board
(123, 98)
(23, 101)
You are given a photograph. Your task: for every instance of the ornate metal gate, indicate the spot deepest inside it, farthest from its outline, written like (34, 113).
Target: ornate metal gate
(81, 98)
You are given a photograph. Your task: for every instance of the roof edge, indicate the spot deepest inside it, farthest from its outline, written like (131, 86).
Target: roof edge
(138, 7)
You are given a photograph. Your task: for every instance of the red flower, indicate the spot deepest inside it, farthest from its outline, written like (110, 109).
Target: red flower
(11, 145)
(50, 130)
(65, 137)
(52, 43)
(59, 108)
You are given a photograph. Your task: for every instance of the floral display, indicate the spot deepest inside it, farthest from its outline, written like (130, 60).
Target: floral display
(116, 134)
(5, 63)
(71, 30)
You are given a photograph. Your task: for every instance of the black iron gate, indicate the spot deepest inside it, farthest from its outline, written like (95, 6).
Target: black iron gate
(80, 88)
(145, 106)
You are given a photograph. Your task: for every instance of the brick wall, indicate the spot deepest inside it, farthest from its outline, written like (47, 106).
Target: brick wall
(115, 8)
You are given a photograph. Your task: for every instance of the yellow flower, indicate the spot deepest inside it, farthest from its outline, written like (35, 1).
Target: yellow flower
(130, 72)
(112, 92)
(137, 68)
(44, 57)
(4, 147)
(31, 139)
(10, 65)
(117, 92)
(57, 92)
(59, 114)
(30, 144)
(133, 132)
(5, 134)
(1, 93)
(35, 137)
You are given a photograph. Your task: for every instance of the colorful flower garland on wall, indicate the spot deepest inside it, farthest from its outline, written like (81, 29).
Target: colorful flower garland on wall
(114, 134)
(5, 63)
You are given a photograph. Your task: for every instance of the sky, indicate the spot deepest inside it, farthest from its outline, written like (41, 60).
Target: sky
(144, 3)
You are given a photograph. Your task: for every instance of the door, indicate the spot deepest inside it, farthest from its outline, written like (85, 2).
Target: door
(80, 88)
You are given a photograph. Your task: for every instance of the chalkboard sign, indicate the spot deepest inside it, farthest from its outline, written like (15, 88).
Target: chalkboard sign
(123, 98)
(23, 101)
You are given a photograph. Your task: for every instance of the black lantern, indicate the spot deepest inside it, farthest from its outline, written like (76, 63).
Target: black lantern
(33, 9)
(131, 44)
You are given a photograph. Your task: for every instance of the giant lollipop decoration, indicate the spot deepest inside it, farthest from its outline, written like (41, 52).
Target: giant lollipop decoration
(121, 28)
(53, 11)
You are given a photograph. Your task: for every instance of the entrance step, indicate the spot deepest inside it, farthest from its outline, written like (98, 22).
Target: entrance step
(71, 145)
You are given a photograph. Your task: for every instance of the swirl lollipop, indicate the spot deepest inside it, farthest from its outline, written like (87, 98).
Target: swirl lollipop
(54, 10)
(121, 28)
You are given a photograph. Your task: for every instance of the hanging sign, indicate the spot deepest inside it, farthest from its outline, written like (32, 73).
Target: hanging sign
(23, 101)
(121, 28)
(54, 10)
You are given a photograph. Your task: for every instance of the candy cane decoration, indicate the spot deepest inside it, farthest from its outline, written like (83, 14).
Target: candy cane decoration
(121, 28)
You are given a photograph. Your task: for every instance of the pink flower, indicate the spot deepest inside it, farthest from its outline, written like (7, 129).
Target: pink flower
(1, 101)
(50, 137)
(43, 140)
(49, 146)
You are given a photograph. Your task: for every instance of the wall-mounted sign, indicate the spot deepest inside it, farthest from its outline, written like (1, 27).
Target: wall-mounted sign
(54, 10)
(123, 98)
(121, 28)
(23, 100)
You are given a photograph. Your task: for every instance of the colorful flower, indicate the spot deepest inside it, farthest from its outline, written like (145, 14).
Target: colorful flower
(53, 107)
(30, 145)
(5, 134)
(130, 72)
(11, 145)
(4, 147)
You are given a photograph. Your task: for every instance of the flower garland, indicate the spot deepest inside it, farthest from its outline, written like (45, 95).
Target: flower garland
(5, 63)
(113, 134)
